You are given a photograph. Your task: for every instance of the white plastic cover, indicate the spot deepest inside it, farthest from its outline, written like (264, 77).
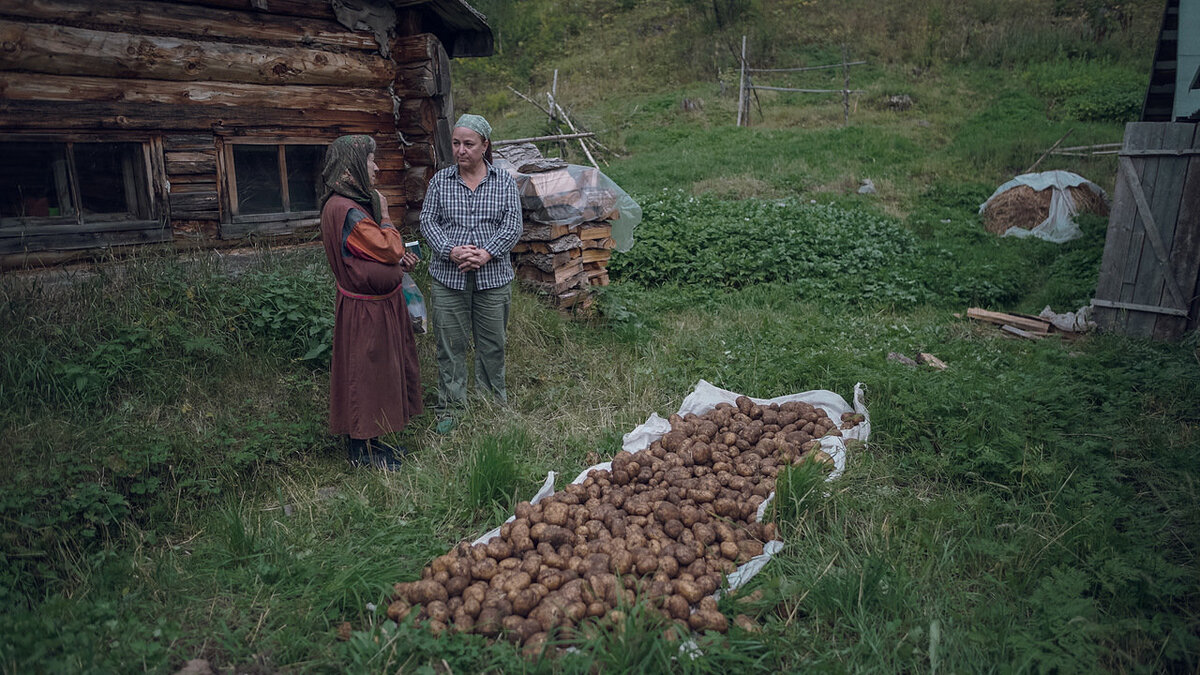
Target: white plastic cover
(1059, 225)
(705, 397)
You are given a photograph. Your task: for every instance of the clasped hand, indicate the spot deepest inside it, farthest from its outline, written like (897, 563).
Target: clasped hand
(469, 258)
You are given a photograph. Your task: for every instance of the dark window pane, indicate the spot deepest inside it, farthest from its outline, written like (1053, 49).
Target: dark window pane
(304, 169)
(106, 172)
(256, 168)
(34, 180)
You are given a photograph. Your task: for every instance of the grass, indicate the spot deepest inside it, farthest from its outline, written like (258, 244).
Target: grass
(173, 494)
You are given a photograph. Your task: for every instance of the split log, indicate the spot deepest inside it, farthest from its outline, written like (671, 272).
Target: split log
(596, 255)
(593, 231)
(544, 232)
(56, 50)
(191, 20)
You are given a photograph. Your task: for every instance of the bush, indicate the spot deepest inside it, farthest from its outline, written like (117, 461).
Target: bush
(1089, 92)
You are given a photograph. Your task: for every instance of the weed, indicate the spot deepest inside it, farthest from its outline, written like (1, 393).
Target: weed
(492, 473)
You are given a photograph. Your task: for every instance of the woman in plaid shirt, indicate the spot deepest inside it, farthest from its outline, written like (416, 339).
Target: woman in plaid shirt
(471, 219)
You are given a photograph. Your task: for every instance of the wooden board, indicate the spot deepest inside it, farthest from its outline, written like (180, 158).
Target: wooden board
(1002, 319)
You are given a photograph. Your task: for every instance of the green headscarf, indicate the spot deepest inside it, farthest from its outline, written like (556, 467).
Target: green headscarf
(346, 173)
(477, 124)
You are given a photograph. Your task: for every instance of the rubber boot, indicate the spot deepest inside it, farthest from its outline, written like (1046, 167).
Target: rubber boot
(371, 452)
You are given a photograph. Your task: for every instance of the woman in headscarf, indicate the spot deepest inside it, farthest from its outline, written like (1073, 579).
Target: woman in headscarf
(375, 380)
(471, 219)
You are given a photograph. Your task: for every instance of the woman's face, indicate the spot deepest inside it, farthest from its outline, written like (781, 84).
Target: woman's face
(372, 168)
(468, 147)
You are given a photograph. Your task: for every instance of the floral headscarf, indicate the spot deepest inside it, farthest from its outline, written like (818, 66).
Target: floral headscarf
(346, 173)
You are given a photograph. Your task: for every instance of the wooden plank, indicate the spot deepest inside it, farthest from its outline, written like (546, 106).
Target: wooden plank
(207, 98)
(1000, 319)
(190, 20)
(1152, 309)
(63, 50)
(1184, 265)
(1020, 333)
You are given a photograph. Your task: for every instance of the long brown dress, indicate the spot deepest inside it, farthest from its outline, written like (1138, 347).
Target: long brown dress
(375, 380)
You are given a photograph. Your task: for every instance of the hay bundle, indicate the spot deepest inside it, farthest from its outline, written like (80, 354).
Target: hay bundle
(1026, 208)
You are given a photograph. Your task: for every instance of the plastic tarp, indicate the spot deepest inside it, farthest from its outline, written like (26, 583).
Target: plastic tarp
(705, 397)
(572, 195)
(1059, 225)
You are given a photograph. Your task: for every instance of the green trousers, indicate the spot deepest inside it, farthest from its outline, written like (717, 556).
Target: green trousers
(460, 317)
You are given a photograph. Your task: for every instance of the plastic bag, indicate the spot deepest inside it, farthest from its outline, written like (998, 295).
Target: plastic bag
(416, 305)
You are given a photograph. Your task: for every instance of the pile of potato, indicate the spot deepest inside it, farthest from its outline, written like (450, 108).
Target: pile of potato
(664, 525)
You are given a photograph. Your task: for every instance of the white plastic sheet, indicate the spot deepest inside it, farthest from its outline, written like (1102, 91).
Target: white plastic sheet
(1059, 225)
(705, 397)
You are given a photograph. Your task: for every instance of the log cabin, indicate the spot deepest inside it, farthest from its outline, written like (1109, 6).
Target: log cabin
(204, 122)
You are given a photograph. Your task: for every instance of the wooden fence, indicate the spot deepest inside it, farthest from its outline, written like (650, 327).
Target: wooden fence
(746, 85)
(1149, 286)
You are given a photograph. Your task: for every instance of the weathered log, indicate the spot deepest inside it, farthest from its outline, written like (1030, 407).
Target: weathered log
(191, 162)
(62, 50)
(247, 121)
(416, 80)
(30, 87)
(414, 48)
(191, 20)
(318, 10)
(416, 181)
(182, 205)
(179, 141)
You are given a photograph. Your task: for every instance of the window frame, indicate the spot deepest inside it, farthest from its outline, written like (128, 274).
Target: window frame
(231, 215)
(142, 202)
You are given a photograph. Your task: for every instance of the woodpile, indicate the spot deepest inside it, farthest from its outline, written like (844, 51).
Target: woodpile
(564, 262)
(567, 239)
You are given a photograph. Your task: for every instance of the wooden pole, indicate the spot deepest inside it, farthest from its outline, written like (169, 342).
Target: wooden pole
(535, 139)
(573, 130)
(553, 94)
(1039, 159)
(742, 84)
(845, 88)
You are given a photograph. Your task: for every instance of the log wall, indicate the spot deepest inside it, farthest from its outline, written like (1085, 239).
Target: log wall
(190, 79)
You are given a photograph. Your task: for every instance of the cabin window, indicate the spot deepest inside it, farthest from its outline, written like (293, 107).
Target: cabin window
(271, 179)
(72, 182)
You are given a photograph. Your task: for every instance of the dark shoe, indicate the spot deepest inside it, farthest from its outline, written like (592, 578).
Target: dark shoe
(372, 453)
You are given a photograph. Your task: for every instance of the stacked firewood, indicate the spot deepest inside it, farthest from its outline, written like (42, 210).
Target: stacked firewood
(564, 262)
(567, 238)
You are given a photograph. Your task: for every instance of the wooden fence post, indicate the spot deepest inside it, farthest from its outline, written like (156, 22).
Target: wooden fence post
(845, 89)
(742, 84)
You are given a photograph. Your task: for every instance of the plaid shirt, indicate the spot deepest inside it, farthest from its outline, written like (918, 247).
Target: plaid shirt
(489, 217)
